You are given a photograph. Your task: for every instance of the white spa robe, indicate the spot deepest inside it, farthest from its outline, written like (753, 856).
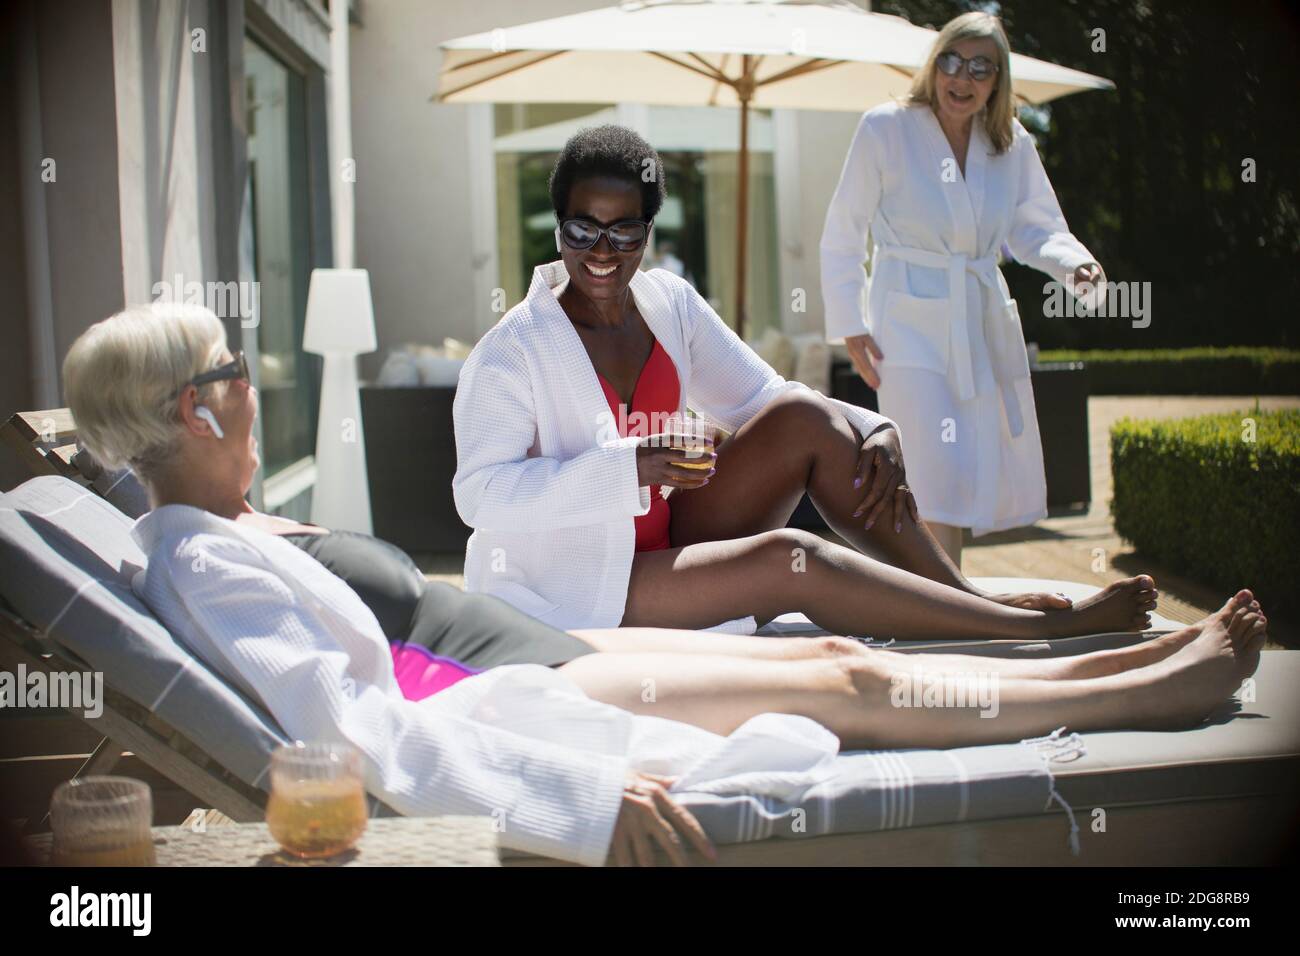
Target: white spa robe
(542, 477)
(955, 374)
(521, 743)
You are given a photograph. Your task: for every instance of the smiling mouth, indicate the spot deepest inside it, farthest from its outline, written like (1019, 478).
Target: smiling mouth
(600, 272)
(961, 97)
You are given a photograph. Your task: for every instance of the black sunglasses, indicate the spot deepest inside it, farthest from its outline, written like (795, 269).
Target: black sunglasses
(977, 67)
(236, 368)
(627, 235)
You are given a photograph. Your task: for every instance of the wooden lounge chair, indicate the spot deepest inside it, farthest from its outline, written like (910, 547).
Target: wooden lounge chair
(44, 441)
(125, 726)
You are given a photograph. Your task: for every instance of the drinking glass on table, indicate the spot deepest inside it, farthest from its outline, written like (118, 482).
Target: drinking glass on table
(102, 821)
(317, 806)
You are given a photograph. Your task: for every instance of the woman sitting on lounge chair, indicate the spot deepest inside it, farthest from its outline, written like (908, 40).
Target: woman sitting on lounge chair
(561, 753)
(570, 524)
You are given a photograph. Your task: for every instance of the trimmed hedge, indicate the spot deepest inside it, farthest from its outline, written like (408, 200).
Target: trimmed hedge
(1195, 494)
(1201, 371)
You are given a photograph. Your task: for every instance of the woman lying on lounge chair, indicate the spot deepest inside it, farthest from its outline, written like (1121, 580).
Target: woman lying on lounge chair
(563, 752)
(570, 523)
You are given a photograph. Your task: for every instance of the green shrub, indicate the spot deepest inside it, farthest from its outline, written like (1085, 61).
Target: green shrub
(1196, 494)
(1203, 371)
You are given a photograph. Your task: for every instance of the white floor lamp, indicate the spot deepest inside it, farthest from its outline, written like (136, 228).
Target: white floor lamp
(340, 326)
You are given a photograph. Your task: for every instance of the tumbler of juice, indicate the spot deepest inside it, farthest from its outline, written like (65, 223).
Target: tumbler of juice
(317, 806)
(696, 436)
(102, 821)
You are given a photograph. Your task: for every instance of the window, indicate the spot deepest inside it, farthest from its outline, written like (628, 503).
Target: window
(288, 379)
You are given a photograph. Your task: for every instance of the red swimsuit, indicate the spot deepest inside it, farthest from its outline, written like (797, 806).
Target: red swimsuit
(656, 394)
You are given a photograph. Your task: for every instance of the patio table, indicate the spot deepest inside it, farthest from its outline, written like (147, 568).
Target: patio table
(389, 841)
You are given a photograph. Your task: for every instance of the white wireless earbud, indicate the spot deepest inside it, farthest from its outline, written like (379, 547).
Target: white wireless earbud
(205, 413)
(558, 246)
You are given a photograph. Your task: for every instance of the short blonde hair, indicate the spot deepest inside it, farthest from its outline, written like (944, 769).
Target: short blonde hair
(998, 112)
(123, 375)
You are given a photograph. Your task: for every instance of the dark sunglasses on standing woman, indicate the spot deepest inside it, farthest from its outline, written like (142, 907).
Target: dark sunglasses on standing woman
(977, 67)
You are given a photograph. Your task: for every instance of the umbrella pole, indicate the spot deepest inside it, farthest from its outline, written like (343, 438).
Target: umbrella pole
(742, 211)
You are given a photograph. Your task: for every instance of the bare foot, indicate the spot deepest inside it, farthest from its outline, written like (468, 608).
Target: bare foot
(1123, 605)
(1033, 600)
(1206, 671)
(1120, 659)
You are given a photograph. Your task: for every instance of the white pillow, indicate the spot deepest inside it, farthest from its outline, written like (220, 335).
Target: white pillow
(438, 371)
(776, 350)
(399, 370)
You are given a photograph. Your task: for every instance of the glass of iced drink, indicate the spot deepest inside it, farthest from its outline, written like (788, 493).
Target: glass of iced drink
(317, 807)
(102, 821)
(695, 436)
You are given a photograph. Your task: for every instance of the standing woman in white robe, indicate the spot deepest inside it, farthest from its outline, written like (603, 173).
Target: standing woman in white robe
(943, 181)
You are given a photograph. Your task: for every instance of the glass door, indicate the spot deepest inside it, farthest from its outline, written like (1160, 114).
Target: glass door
(287, 378)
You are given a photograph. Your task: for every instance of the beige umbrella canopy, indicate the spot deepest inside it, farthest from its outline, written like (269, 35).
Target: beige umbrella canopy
(790, 54)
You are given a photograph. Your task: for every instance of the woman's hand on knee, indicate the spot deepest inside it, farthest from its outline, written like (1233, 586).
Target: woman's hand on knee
(881, 471)
(650, 816)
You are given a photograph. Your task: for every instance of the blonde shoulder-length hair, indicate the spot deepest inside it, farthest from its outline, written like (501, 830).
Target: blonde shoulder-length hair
(998, 112)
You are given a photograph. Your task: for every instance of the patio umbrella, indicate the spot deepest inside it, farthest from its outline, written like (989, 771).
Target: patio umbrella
(790, 54)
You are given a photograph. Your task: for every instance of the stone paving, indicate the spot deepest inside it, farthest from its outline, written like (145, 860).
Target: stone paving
(1064, 546)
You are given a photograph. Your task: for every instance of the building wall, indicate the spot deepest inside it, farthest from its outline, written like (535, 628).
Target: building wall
(16, 386)
(74, 46)
(16, 389)
(61, 243)
(137, 104)
(827, 136)
(413, 166)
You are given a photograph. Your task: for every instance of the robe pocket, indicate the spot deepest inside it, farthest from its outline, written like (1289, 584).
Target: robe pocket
(915, 332)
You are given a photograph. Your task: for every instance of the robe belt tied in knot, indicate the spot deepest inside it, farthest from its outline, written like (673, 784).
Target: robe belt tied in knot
(985, 269)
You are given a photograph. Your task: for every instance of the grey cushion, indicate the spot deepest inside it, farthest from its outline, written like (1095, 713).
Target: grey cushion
(862, 792)
(66, 562)
(1247, 747)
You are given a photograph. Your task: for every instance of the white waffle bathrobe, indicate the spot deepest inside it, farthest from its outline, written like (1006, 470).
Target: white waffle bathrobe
(520, 743)
(541, 476)
(955, 374)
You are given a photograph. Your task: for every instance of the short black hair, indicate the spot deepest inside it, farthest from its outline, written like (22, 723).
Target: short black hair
(614, 151)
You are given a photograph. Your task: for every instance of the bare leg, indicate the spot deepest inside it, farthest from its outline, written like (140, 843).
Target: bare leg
(800, 442)
(841, 591)
(1077, 667)
(667, 640)
(658, 640)
(857, 698)
(949, 538)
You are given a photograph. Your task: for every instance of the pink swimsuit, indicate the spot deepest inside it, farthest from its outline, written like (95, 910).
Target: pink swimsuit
(422, 673)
